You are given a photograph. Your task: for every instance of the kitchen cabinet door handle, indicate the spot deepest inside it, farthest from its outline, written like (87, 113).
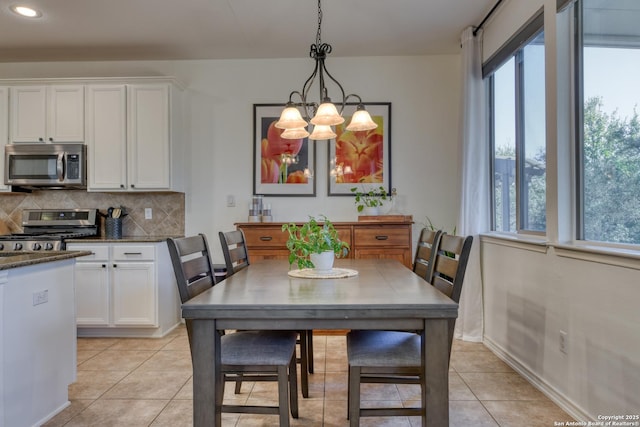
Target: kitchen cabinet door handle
(382, 237)
(133, 253)
(115, 265)
(266, 238)
(104, 265)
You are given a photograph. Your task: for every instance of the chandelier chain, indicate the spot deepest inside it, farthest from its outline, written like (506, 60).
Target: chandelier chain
(319, 33)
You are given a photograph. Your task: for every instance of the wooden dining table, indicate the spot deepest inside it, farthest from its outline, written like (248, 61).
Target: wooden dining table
(384, 294)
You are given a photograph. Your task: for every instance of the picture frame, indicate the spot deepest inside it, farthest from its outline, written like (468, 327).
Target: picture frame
(348, 167)
(279, 164)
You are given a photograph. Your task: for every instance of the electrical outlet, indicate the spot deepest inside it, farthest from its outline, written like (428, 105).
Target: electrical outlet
(148, 213)
(563, 342)
(40, 297)
(231, 200)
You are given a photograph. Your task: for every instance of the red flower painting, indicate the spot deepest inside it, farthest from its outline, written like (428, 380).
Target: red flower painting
(362, 152)
(278, 155)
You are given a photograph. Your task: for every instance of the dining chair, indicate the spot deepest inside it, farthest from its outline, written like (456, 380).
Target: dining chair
(253, 355)
(394, 356)
(426, 253)
(236, 258)
(234, 249)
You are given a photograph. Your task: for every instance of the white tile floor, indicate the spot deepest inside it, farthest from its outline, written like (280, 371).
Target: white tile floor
(147, 382)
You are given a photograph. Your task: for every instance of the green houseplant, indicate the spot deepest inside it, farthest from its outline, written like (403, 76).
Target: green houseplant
(313, 237)
(369, 199)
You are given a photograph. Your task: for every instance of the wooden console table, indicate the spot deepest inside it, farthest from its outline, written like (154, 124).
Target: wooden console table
(374, 239)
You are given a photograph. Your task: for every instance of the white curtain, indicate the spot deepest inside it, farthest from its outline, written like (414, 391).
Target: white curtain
(474, 205)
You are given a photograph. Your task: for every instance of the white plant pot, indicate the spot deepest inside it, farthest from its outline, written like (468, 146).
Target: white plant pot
(323, 262)
(369, 210)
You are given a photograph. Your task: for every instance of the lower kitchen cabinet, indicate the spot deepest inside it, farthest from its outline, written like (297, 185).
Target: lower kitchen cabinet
(125, 289)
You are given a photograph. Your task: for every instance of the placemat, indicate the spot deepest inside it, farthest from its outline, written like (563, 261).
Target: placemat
(335, 273)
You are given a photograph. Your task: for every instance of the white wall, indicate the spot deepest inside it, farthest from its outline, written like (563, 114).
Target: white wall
(424, 92)
(531, 293)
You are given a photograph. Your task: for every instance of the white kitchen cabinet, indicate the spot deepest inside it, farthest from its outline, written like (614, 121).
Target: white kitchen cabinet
(148, 137)
(4, 131)
(92, 287)
(134, 285)
(130, 134)
(106, 137)
(125, 289)
(47, 113)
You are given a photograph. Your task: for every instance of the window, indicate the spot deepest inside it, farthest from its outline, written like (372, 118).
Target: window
(608, 126)
(517, 123)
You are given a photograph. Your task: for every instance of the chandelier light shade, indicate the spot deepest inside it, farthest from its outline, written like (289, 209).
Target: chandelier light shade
(294, 133)
(322, 132)
(361, 120)
(291, 119)
(326, 114)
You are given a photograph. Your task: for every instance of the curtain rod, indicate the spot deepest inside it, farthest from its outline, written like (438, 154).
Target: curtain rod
(493, 9)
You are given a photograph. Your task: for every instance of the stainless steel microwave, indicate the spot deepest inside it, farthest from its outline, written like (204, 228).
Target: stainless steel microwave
(46, 166)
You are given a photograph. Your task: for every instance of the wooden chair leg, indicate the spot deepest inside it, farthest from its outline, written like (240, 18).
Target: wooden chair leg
(310, 350)
(354, 396)
(283, 395)
(238, 384)
(293, 387)
(304, 378)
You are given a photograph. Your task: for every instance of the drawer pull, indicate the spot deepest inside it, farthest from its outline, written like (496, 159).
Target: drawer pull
(382, 237)
(266, 238)
(133, 253)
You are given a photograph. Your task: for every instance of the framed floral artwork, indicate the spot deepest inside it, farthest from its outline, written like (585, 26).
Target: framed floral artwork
(361, 158)
(280, 166)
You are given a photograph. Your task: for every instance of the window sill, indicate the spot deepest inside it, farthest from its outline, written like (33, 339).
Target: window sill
(611, 255)
(518, 241)
(621, 257)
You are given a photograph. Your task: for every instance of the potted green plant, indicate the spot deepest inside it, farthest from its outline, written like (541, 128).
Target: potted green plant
(313, 238)
(369, 202)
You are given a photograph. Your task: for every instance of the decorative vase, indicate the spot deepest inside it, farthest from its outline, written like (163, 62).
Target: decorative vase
(371, 210)
(323, 262)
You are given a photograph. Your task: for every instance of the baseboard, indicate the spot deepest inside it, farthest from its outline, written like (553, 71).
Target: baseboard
(52, 414)
(545, 388)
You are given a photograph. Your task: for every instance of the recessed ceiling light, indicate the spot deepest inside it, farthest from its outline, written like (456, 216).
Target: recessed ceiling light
(26, 11)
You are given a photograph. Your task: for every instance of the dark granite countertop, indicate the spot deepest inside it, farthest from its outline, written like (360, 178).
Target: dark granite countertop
(125, 239)
(10, 260)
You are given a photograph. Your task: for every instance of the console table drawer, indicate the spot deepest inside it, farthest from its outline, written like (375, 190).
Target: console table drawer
(272, 237)
(382, 236)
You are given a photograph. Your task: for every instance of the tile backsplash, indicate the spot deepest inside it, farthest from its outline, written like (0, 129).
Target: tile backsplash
(167, 209)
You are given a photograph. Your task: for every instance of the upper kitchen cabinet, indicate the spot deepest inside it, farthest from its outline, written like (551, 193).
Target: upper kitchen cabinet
(4, 131)
(47, 113)
(131, 137)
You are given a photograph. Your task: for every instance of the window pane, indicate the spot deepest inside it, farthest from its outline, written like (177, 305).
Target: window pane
(504, 125)
(611, 140)
(533, 187)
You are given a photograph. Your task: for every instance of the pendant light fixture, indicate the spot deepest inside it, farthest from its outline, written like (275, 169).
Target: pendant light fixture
(326, 114)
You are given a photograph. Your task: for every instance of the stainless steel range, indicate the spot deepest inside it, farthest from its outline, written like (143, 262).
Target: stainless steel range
(47, 229)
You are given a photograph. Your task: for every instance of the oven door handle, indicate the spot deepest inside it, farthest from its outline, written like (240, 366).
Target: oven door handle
(60, 167)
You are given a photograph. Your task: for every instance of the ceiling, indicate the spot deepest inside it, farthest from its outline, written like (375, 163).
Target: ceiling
(91, 30)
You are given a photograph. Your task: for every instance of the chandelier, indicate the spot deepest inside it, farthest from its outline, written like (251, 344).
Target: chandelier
(326, 114)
